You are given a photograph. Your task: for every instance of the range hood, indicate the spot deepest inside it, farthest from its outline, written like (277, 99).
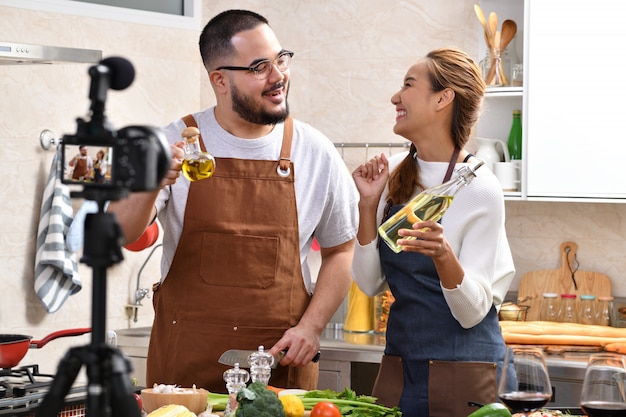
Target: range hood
(12, 53)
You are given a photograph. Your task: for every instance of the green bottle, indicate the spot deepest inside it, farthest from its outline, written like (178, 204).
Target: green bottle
(515, 137)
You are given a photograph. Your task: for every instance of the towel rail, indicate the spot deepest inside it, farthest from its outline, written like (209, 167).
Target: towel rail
(46, 138)
(372, 145)
(367, 145)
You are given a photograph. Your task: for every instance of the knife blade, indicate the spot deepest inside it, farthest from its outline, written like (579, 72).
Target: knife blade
(233, 356)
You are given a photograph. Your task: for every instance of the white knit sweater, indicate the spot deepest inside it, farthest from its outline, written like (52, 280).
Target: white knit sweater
(474, 227)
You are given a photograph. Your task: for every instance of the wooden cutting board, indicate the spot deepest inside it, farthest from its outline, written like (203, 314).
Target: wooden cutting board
(561, 281)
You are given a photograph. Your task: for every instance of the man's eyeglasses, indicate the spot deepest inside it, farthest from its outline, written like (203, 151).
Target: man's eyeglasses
(263, 69)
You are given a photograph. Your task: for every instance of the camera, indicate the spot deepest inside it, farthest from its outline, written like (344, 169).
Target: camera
(109, 163)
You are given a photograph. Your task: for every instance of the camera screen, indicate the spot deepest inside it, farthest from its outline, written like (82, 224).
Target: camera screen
(87, 164)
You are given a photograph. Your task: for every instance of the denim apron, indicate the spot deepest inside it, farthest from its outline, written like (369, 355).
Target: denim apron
(421, 327)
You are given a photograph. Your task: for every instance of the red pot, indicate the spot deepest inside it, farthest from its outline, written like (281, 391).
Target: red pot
(13, 347)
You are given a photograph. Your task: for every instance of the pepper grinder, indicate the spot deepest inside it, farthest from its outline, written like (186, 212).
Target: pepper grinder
(235, 379)
(260, 365)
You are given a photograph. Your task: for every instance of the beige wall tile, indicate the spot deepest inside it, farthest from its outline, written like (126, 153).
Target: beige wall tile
(351, 57)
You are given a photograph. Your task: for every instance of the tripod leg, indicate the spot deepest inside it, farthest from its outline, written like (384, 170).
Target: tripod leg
(66, 374)
(123, 401)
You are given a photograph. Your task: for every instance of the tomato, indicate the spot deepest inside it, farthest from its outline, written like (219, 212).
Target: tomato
(325, 409)
(139, 401)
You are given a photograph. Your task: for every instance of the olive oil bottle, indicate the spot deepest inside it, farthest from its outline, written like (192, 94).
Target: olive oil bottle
(197, 165)
(430, 204)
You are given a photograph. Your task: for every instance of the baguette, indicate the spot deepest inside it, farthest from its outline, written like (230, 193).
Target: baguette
(552, 333)
(616, 347)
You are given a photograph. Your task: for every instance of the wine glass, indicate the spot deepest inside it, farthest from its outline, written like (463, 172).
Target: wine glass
(524, 383)
(603, 387)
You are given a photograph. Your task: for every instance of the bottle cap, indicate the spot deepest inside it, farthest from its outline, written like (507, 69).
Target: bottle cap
(587, 297)
(550, 295)
(605, 298)
(517, 112)
(568, 295)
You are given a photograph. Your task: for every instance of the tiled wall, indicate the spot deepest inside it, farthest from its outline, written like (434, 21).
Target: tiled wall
(351, 57)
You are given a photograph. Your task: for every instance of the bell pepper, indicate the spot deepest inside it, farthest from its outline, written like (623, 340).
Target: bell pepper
(492, 410)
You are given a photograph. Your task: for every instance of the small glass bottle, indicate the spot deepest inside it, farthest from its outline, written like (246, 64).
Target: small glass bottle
(603, 313)
(587, 314)
(514, 141)
(236, 379)
(197, 165)
(567, 310)
(550, 307)
(430, 204)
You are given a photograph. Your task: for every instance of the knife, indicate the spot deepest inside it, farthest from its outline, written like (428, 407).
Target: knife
(233, 356)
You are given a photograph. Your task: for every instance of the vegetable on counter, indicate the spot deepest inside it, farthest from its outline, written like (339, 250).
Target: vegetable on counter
(217, 401)
(325, 409)
(349, 403)
(257, 401)
(172, 410)
(293, 405)
(492, 410)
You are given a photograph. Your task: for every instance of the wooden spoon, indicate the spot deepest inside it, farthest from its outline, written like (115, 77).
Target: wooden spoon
(494, 76)
(493, 27)
(483, 21)
(509, 29)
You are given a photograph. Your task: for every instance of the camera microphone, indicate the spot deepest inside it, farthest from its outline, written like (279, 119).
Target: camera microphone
(116, 73)
(122, 72)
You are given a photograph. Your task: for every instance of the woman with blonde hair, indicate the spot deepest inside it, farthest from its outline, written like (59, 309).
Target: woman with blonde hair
(443, 341)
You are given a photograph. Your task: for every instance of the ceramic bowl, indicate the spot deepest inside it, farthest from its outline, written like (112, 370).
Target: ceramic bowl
(195, 399)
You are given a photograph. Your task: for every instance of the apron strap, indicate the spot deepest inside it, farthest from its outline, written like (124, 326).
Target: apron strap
(455, 156)
(283, 168)
(285, 152)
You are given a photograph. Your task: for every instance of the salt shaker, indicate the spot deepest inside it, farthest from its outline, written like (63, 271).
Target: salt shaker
(235, 379)
(587, 309)
(603, 314)
(567, 312)
(550, 307)
(260, 365)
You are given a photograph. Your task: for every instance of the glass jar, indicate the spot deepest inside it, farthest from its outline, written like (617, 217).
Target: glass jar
(382, 304)
(587, 311)
(550, 307)
(517, 75)
(501, 59)
(603, 313)
(567, 310)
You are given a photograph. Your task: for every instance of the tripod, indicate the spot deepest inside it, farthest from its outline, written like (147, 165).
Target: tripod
(109, 389)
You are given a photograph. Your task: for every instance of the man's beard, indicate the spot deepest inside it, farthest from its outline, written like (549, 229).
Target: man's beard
(252, 112)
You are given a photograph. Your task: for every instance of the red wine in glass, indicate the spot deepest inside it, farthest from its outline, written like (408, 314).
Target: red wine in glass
(524, 401)
(603, 409)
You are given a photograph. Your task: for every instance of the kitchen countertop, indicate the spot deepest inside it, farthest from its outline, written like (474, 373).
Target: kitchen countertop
(337, 345)
(340, 345)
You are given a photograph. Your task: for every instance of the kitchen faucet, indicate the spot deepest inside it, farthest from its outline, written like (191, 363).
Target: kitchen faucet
(141, 293)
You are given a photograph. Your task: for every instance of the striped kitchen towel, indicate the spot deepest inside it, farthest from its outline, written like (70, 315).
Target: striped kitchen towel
(56, 269)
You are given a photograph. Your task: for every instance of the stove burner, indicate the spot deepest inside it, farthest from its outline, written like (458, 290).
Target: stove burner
(22, 390)
(19, 381)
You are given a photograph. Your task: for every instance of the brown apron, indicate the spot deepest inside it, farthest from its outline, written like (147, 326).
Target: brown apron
(81, 169)
(235, 281)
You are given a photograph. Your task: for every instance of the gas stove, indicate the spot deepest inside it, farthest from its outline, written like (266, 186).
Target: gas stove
(22, 389)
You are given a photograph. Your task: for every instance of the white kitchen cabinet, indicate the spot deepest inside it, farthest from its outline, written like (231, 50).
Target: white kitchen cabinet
(571, 114)
(495, 121)
(575, 140)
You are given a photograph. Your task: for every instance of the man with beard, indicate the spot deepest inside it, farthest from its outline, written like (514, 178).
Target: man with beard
(234, 270)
